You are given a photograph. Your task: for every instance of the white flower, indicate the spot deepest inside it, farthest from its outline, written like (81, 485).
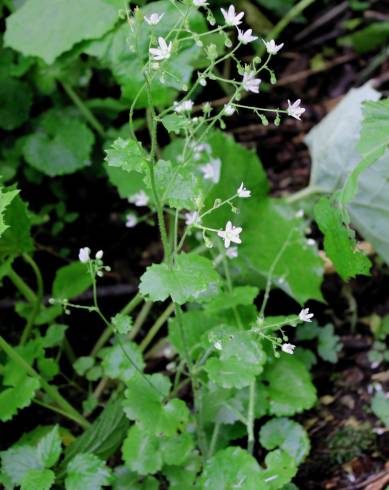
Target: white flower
(299, 213)
(218, 345)
(131, 220)
(163, 52)
(250, 83)
(311, 242)
(203, 81)
(192, 218)
(211, 170)
(99, 255)
(84, 255)
(200, 3)
(153, 19)
(139, 199)
(272, 47)
(305, 316)
(294, 110)
(228, 110)
(288, 348)
(230, 234)
(243, 192)
(232, 252)
(231, 17)
(185, 105)
(246, 37)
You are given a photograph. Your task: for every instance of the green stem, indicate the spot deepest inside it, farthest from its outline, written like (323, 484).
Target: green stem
(89, 116)
(161, 320)
(140, 319)
(215, 436)
(38, 299)
(52, 391)
(24, 288)
(303, 194)
(250, 418)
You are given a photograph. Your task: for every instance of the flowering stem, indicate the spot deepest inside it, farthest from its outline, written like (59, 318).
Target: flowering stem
(250, 417)
(304, 193)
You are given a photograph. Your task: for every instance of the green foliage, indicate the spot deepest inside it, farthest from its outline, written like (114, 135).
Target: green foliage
(380, 406)
(61, 145)
(338, 242)
(5, 200)
(71, 280)
(126, 154)
(287, 435)
(15, 103)
(16, 239)
(17, 397)
(329, 343)
(192, 278)
(64, 31)
(122, 324)
(86, 472)
(38, 479)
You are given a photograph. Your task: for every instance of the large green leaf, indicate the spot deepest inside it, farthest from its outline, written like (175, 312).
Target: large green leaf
(71, 280)
(288, 435)
(86, 472)
(49, 448)
(126, 154)
(18, 397)
(231, 468)
(192, 278)
(266, 225)
(141, 451)
(144, 404)
(16, 239)
(38, 479)
(48, 28)
(280, 469)
(16, 462)
(332, 145)
(15, 103)
(290, 388)
(121, 360)
(339, 245)
(62, 145)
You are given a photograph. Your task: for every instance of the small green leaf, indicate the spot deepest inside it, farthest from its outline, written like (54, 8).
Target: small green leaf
(82, 364)
(120, 360)
(241, 295)
(339, 245)
(18, 397)
(141, 452)
(71, 280)
(38, 479)
(329, 344)
(18, 461)
(49, 448)
(5, 199)
(15, 103)
(86, 472)
(176, 449)
(54, 335)
(61, 145)
(16, 239)
(288, 435)
(290, 388)
(144, 404)
(127, 155)
(231, 468)
(122, 324)
(175, 122)
(31, 26)
(280, 469)
(380, 406)
(193, 278)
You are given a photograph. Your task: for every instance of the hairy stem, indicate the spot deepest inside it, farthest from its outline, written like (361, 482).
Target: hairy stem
(38, 299)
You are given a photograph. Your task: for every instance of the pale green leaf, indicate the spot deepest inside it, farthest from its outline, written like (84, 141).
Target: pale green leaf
(61, 145)
(5, 199)
(329, 344)
(38, 479)
(231, 468)
(122, 324)
(54, 335)
(86, 472)
(175, 122)
(82, 364)
(15, 103)
(127, 184)
(177, 449)
(380, 407)
(144, 404)
(18, 397)
(192, 278)
(290, 389)
(71, 280)
(339, 245)
(288, 435)
(37, 29)
(18, 461)
(280, 469)
(141, 452)
(49, 448)
(120, 360)
(240, 295)
(126, 154)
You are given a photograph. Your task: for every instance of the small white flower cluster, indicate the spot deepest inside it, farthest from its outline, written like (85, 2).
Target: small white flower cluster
(304, 316)
(140, 199)
(96, 265)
